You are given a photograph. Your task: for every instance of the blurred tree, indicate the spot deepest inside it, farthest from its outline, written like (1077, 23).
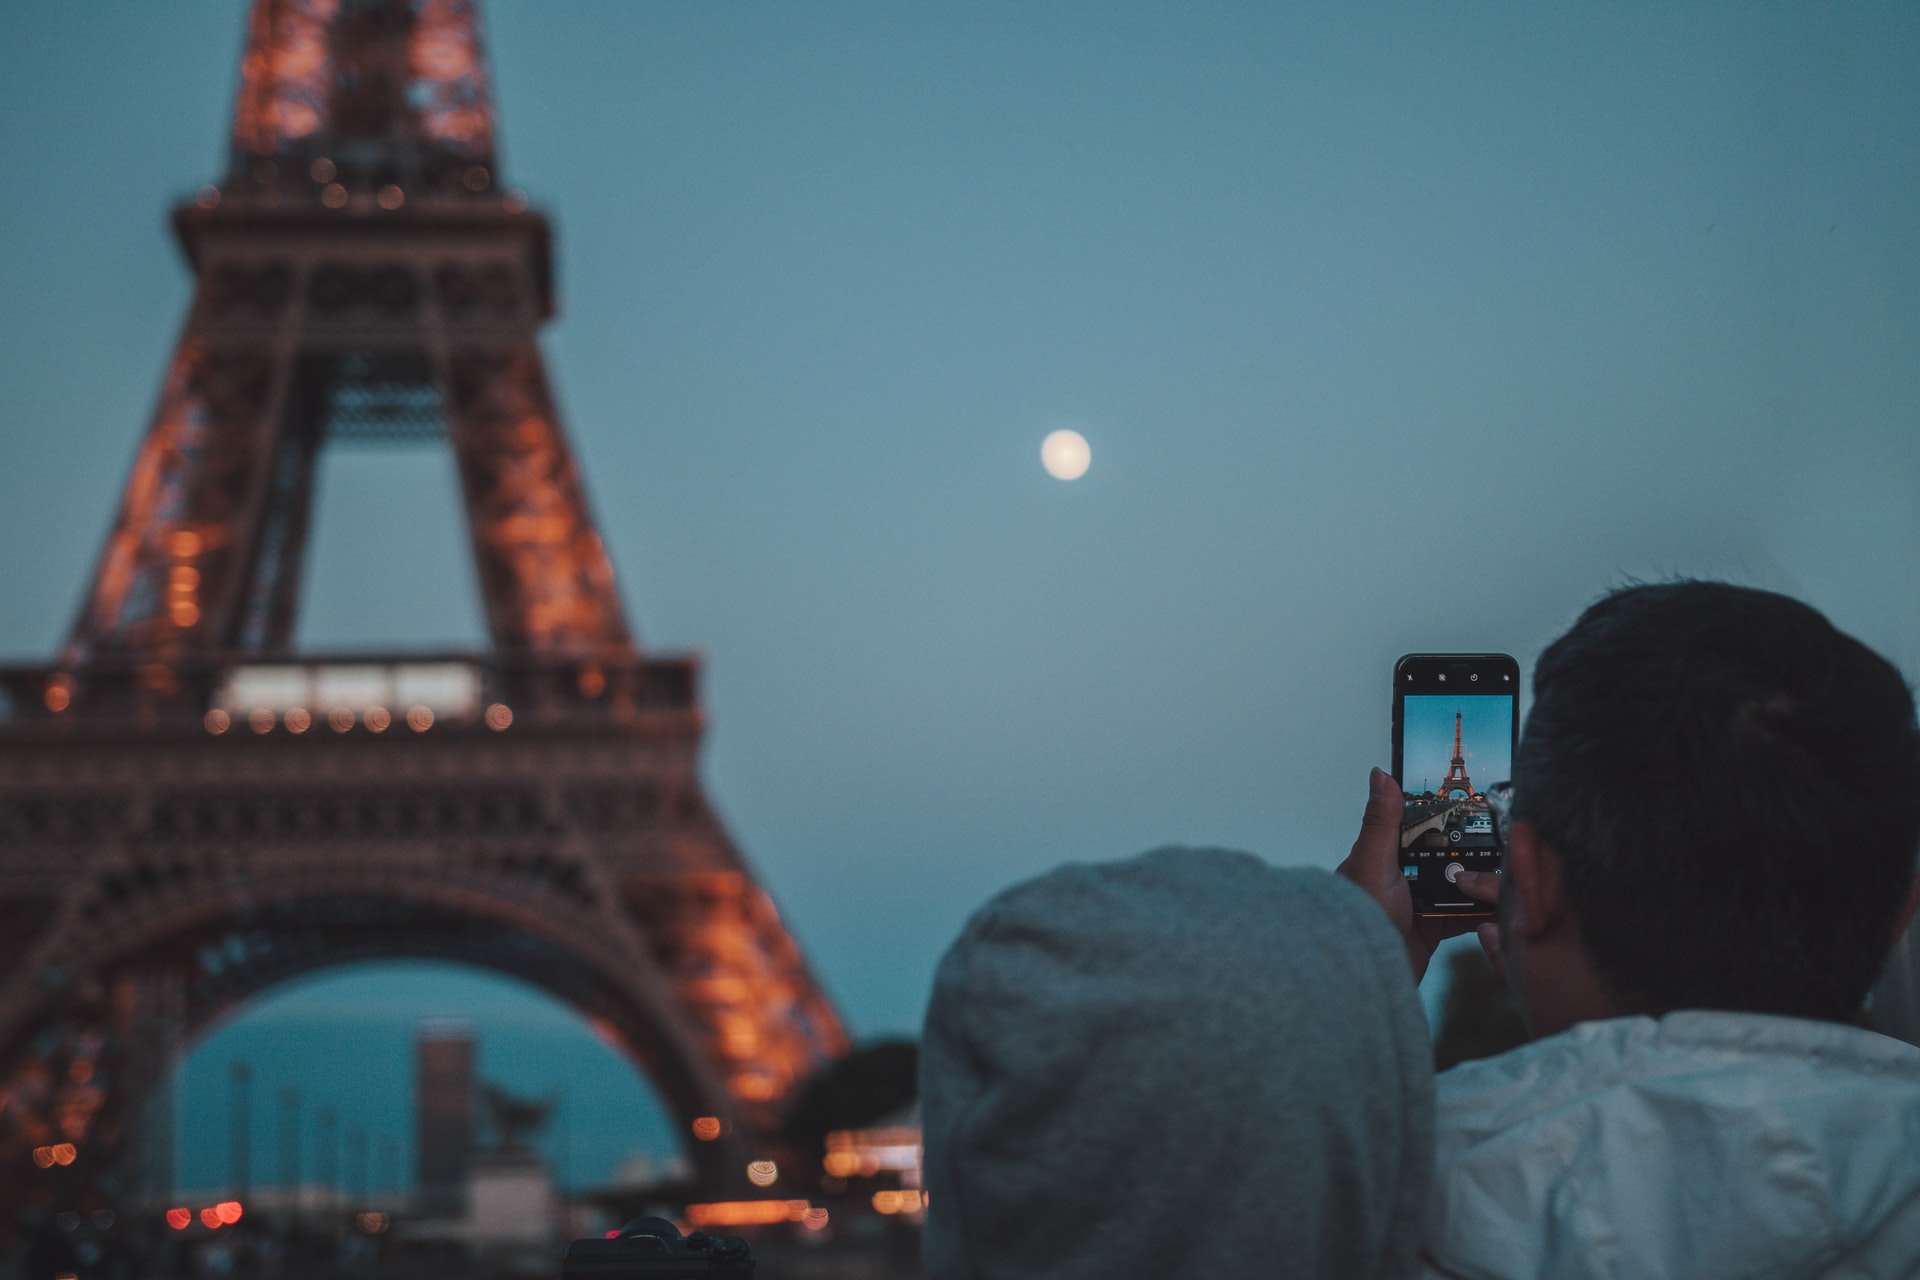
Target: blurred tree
(867, 1085)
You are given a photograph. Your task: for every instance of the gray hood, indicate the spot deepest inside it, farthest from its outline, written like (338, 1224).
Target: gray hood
(1186, 1064)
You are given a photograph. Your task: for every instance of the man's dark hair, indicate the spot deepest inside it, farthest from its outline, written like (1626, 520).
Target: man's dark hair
(1733, 787)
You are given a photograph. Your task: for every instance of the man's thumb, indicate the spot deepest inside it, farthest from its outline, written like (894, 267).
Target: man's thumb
(1385, 804)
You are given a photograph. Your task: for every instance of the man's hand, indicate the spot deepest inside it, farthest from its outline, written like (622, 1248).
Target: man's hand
(1374, 865)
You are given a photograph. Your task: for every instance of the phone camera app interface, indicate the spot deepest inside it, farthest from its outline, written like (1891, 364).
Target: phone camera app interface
(1453, 748)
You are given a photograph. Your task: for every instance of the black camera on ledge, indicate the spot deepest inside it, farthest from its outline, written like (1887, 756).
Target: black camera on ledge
(654, 1249)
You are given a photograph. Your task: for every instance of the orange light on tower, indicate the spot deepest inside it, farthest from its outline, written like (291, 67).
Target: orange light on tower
(210, 1218)
(707, 1128)
(179, 1219)
(754, 1087)
(65, 1153)
(229, 1211)
(183, 580)
(183, 585)
(58, 696)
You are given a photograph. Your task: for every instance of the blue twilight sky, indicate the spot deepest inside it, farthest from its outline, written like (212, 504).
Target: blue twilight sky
(1392, 327)
(1426, 739)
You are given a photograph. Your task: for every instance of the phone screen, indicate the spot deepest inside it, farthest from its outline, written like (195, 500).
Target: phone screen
(1455, 724)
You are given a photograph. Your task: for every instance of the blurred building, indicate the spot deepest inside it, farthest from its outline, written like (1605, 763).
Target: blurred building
(443, 1054)
(511, 1200)
(882, 1162)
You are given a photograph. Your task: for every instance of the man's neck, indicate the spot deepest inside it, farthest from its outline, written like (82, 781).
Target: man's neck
(1563, 988)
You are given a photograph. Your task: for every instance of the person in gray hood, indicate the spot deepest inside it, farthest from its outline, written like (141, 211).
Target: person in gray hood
(1185, 1064)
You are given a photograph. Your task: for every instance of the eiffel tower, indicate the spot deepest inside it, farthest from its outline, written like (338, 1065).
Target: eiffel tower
(1456, 781)
(191, 812)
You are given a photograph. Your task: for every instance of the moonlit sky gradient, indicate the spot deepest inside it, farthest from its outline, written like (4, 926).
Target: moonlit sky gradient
(1405, 327)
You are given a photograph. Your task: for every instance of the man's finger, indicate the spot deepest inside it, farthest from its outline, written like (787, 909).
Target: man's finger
(1376, 853)
(1489, 935)
(1374, 865)
(1481, 886)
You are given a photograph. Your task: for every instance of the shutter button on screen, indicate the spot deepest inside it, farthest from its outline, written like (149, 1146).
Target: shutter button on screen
(1453, 872)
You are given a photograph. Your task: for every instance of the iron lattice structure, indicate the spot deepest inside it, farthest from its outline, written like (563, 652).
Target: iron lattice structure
(190, 814)
(1456, 779)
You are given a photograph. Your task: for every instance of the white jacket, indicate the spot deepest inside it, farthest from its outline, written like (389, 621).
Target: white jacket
(1696, 1146)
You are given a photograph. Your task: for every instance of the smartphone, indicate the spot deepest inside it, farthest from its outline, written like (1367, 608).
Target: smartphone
(1456, 721)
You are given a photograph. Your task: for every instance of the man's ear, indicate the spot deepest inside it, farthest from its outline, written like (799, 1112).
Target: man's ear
(1538, 902)
(1906, 912)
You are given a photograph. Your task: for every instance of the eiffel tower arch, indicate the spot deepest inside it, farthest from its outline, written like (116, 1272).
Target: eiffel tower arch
(190, 812)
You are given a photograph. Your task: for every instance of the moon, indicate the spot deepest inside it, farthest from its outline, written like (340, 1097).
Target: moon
(1065, 455)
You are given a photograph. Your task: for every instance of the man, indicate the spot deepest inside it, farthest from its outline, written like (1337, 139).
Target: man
(1715, 817)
